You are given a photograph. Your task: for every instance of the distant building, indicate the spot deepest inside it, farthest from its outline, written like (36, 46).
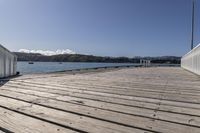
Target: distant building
(191, 61)
(8, 63)
(145, 63)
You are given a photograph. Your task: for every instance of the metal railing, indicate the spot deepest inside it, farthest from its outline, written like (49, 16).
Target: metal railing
(191, 61)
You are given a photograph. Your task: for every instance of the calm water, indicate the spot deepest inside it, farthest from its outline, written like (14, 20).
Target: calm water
(42, 67)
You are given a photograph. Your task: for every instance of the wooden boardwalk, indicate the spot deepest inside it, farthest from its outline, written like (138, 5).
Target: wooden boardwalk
(134, 100)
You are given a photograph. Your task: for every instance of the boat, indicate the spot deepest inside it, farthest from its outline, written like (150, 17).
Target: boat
(30, 62)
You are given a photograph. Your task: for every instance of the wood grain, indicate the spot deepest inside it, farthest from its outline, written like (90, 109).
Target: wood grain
(157, 99)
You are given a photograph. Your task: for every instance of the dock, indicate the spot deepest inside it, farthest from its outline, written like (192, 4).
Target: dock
(128, 100)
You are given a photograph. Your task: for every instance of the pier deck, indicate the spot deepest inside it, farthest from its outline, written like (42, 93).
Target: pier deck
(132, 100)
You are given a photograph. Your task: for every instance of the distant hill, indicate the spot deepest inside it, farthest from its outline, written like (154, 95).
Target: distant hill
(91, 58)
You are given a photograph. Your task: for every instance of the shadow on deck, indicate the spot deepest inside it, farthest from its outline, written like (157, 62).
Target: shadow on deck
(3, 81)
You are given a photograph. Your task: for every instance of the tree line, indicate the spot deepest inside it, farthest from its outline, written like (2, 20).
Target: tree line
(91, 58)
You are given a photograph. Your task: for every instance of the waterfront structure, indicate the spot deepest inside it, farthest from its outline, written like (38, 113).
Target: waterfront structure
(145, 63)
(191, 61)
(8, 63)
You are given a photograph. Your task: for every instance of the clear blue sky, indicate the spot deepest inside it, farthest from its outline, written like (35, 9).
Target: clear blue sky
(99, 27)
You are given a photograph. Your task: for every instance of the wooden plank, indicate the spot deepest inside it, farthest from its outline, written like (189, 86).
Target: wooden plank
(118, 89)
(12, 122)
(65, 119)
(130, 101)
(67, 91)
(132, 79)
(101, 110)
(134, 85)
(92, 125)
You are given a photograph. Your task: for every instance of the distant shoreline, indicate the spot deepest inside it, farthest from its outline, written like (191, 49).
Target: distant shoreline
(94, 59)
(43, 67)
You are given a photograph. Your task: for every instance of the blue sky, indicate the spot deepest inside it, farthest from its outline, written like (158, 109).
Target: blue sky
(100, 27)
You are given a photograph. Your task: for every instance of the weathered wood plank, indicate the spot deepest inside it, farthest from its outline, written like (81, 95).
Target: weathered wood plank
(65, 119)
(66, 91)
(110, 88)
(92, 125)
(12, 122)
(101, 110)
(113, 116)
(127, 100)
